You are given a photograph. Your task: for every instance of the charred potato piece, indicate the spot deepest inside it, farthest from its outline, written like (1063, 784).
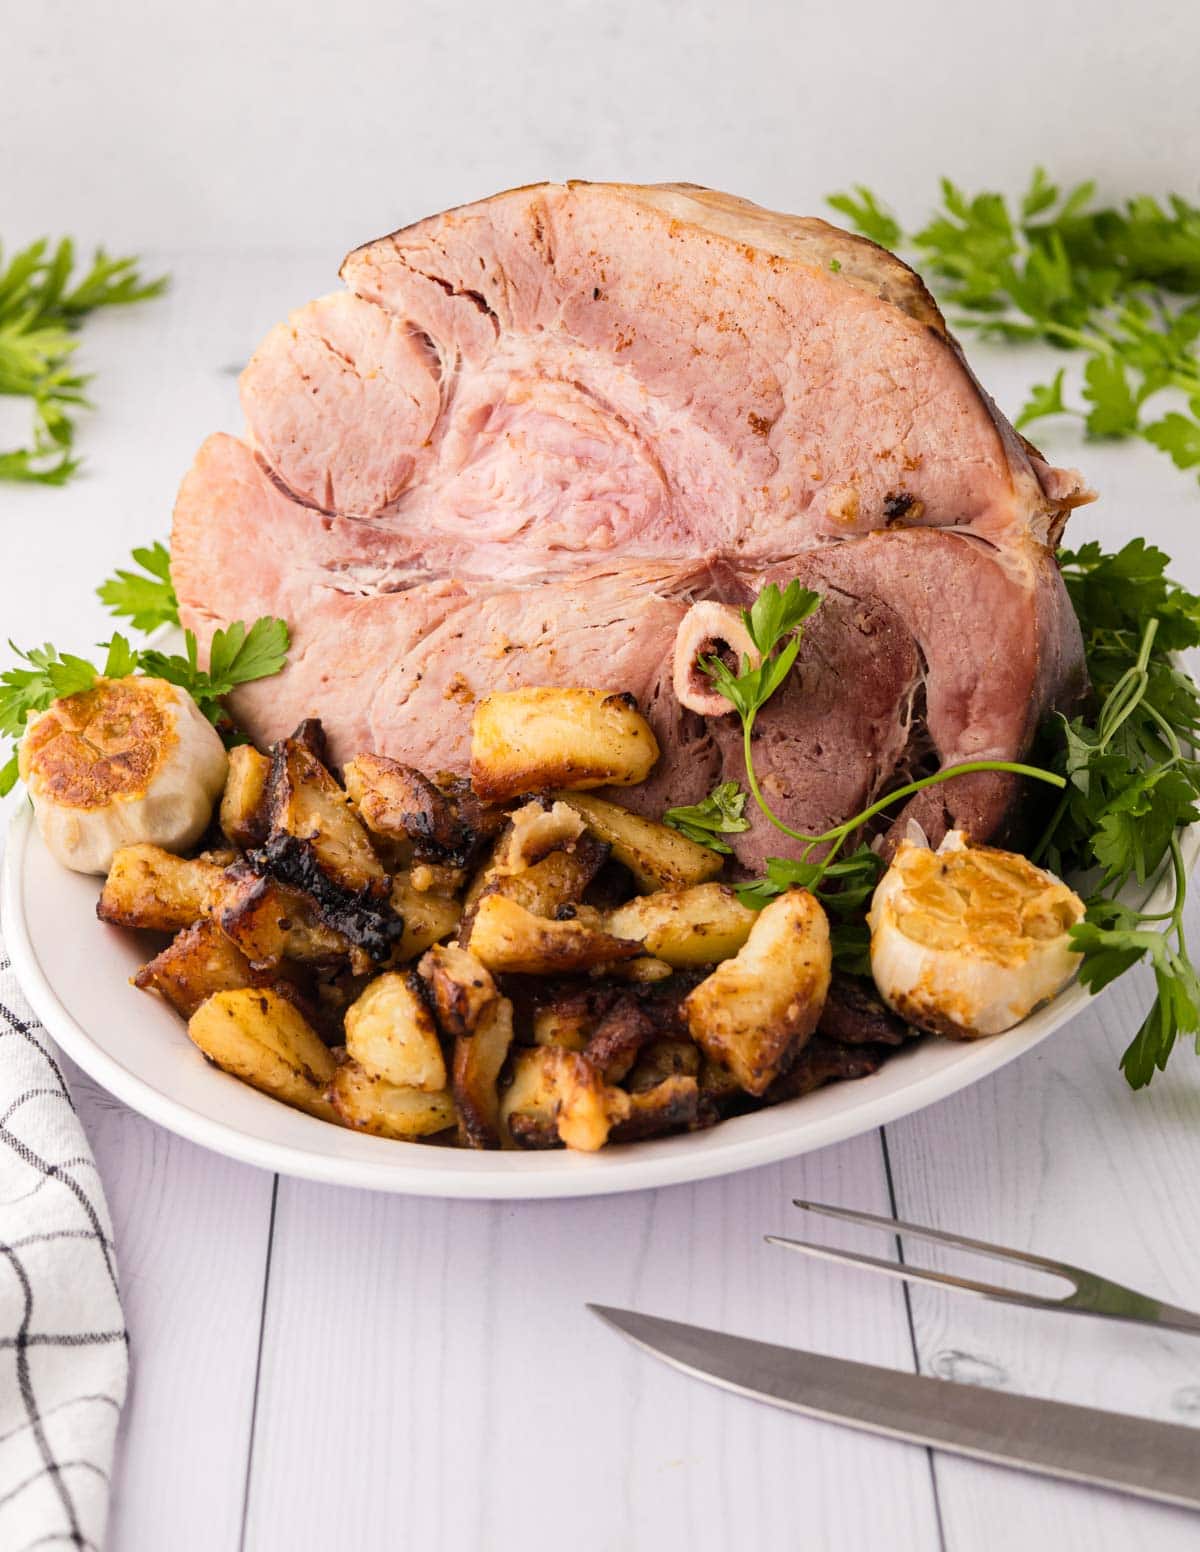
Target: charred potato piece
(370, 1104)
(697, 926)
(657, 856)
(625, 1028)
(663, 1059)
(507, 937)
(461, 988)
(557, 880)
(532, 833)
(478, 1058)
(390, 1033)
(243, 815)
(570, 1026)
(199, 962)
(151, 888)
(525, 740)
(670, 1106)
(269, 921)
(307, 805)
(262, 1038)
(529, 1105)
(558, 1096)
(428, 916)
(406, 808)
(755, 1008)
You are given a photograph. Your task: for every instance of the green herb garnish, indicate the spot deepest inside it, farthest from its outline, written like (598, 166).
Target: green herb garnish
(145, 597)
(41, 308)
(722, 812)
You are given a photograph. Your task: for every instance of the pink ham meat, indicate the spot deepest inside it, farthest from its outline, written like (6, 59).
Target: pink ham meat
(534, 432)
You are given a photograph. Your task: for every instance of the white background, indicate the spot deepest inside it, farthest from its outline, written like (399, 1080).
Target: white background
(321, 1369)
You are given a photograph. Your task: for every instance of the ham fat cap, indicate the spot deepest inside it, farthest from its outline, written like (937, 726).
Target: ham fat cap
(534, 431)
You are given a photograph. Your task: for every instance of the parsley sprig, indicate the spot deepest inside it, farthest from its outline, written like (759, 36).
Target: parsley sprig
(722, 812)
(42, 305)
(1121, 285)
(145, 597)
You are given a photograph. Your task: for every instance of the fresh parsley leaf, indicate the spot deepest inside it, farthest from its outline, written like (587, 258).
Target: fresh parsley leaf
(1044, 399)
(1178, 436)
(146, 598)
(1114, 411)
(40, 312)
(720, 813)
(236, 656)
(868, 216)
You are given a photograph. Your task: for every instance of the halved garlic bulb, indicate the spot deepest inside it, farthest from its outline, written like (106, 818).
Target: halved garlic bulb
(968, 940)
(130, 760)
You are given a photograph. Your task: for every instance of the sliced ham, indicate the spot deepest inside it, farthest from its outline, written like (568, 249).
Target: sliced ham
(534, 433)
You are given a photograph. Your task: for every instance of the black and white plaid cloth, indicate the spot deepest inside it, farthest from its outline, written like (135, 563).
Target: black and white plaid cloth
(63, 1345)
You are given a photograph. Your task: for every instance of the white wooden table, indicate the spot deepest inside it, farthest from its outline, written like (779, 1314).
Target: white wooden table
(318, 1368)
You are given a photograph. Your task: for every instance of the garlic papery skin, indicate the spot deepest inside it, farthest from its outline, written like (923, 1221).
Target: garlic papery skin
(130, 760)
(969, 940)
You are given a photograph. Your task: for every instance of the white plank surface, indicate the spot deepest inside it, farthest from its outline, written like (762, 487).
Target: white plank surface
(437, 1357)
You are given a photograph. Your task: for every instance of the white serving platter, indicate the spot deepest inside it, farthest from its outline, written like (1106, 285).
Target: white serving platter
(75, 972)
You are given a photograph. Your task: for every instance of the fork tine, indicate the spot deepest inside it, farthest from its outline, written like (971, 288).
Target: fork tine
(1061, 1269)
(907, 1273)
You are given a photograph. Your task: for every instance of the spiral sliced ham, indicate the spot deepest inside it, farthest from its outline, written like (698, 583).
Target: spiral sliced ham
(532, 433)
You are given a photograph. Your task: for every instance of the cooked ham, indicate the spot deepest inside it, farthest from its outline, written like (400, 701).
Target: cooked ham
(534, 432)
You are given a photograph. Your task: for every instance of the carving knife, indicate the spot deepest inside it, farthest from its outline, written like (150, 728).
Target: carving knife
(1153, 1460)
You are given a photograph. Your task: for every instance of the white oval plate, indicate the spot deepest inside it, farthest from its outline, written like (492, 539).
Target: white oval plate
(75, 972)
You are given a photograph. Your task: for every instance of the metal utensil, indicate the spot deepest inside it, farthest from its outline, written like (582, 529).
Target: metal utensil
(1103, 1449)
(1091, 1294)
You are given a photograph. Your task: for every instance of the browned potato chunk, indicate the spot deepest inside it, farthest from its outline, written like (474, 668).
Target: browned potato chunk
(370, 1104)
(305, 803)
(752, 1009)
(462, 989)
(270, 921)
(243, 805)
(405, 808)
(390, 1033)
(428, 916)
(669, 1106)
(685, 927)
(151, 888)
(199, 962)
(587, 1108)
(658, 857)
(558, 1096)
(525, 740)
(507, 937)
(478, 1058)
(570, 1025)
(262, 1038)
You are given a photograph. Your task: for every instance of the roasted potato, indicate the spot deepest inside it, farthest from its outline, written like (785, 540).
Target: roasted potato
(558, 1096)
(199, 962)
(526, 740)
(151, 888)
(428, 916)
(569, 1025)
(305, 804)
(262, 1038)
(670, 1057)
(697, 926)
(478, 1058)
(370, 1104)
(670, 1106)
(391, 1034)
(270, 921)
(405, 808)
(461, 988)
(529, 1105)
(243, 814)
(507, 937)
(657, 856)
(753, 1009)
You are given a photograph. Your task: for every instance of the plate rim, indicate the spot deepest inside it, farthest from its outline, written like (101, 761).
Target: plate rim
(562, 1174)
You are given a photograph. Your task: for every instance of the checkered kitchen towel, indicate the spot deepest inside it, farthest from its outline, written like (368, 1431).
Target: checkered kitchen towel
(63, 1349)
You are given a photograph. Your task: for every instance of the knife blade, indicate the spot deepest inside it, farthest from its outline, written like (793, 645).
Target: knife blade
(1160, 1461)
